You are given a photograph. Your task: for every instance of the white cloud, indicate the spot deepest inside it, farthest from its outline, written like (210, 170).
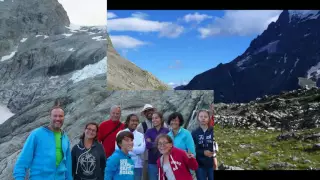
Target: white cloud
(126, 42)
(85, 12)
(165, 29)
(140, 15)
(174, 84)
(196, 17)
(240, 22)
(111, 15)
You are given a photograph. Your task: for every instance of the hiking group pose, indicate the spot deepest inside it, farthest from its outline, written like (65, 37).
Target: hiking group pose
(154, 149)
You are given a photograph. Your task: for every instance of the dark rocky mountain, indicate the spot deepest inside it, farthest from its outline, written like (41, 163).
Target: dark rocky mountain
(288, 49)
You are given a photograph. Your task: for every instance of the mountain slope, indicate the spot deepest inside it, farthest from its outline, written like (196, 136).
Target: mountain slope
(123, 74)
(288, 49)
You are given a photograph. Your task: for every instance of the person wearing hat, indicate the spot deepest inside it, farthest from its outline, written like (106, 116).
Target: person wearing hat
(147, 112)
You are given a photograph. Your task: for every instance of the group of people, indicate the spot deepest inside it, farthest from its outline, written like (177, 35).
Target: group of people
(154, 149)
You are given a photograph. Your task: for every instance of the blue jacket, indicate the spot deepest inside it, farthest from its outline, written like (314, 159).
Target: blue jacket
(183, 140)
(203, 141)
(39, 155)
(119, 166)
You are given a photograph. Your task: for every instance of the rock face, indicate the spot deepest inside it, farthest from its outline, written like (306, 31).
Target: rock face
(294, 110)
(89, 101)
(44, 59)
(123, 74)
(286, 50)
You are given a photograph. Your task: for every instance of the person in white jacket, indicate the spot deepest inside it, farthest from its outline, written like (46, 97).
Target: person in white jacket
(139, 145)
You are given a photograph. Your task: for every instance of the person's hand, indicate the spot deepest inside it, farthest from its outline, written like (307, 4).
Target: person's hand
(208, 153)
(148, 140)
(189, 154)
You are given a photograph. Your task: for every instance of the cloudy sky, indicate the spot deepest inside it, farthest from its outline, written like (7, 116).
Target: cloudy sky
(177, 45)
(85, 12)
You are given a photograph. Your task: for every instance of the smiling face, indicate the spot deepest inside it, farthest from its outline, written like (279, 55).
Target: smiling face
(115, 114)
(164, 146)
(156, 120)
(175, 123)
(126, 144)
(133, 122)
(203, 118)
(57, 119)
(91, 131)
(148, 113)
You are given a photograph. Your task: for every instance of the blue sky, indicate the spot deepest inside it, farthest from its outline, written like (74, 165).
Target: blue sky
(177, 45)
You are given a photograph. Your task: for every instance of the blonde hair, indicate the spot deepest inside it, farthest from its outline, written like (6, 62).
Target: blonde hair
(204, 110)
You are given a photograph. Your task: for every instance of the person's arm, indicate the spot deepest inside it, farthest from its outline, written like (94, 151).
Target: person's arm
(69, 163)
(102, 160)
(149, 144)
(111, 168)
(215, 163)
(190, 144)
(199, 151)
(74, 160)
(101, 132)
(25, 158)
(141, 148)
(140, 128)
(191, 162)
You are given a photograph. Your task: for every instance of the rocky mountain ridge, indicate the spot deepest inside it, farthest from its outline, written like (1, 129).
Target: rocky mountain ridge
(287, 50)
(123, 74)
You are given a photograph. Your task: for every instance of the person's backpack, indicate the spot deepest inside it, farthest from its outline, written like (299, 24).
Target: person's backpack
(145, 127)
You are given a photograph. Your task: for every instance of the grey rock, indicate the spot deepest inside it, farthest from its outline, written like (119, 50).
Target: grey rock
(87, 101)
(281, 165)
(226, 167)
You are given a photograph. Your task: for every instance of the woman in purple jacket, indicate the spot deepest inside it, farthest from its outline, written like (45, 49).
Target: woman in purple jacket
(153, 152)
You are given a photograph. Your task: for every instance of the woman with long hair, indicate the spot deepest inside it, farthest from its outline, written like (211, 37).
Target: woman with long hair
(139, 144)
(174, 164)
(153, 152)
(88, 157)
(203, 137)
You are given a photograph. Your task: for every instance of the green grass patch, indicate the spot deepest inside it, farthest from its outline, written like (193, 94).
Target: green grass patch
(258, 149)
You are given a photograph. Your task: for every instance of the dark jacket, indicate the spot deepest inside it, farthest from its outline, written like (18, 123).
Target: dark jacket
(153, 152)
(203, 141)
(88, 164)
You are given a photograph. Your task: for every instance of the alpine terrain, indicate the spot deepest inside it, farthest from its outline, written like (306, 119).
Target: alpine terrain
(123, 74)
(284, 55)
(279, 132)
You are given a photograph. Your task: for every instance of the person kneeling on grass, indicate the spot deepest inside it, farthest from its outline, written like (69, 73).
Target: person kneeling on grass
(174, 164)
(119, 164)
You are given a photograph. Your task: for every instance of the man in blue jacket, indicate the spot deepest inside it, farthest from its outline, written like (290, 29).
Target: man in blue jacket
(46, 152)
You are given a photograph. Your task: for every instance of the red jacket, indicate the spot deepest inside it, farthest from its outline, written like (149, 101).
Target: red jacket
(180, 164)
(108, 142)
(212, 121)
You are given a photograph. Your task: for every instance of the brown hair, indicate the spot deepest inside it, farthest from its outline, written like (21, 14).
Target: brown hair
(204, 110)
(166, 136)
(128, 119)
(122, 135)
(160, 116)
(90, 123)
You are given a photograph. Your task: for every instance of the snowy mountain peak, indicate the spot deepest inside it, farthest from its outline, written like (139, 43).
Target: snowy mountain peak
(303, 14)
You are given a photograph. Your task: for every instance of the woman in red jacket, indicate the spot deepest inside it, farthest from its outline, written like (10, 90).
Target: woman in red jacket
(174, 164)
